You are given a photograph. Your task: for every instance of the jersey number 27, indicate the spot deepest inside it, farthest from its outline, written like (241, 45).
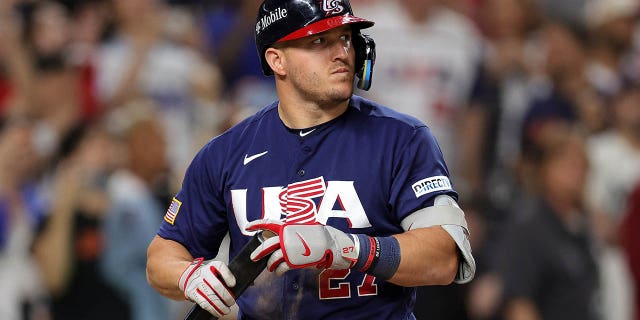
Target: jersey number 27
(332, 288)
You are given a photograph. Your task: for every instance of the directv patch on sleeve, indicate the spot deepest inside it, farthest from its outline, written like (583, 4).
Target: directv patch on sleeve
(172, 212)
(428, 185)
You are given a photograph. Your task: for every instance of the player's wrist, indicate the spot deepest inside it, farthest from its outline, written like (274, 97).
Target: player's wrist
(346, 245)
(187, 273)
(377, 256)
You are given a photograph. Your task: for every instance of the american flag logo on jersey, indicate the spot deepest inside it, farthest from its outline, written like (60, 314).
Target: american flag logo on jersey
(172, 212)
(296, 203)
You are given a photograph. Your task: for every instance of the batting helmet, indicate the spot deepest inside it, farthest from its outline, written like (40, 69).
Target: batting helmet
(283, 20)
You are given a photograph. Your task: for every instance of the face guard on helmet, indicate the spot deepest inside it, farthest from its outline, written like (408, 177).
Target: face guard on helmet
(284, 20)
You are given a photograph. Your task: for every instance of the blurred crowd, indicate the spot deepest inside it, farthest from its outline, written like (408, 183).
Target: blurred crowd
(535, 103)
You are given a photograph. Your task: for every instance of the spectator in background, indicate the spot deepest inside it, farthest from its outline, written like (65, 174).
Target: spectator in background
(428, 55)
(143, 60)
(46, 35)
(89, 25)
(612, 25)
(549, 271)
(42, 108)
(615, 158)
(570, 97)
(510, 74)
(70, 245)
(229, 35)
(138, 192)
(47, 30)
(22, 207)
(573, 98)
(45, 84)
(229, 31)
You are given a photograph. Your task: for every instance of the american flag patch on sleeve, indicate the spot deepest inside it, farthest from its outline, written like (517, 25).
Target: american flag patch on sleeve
(172, 212)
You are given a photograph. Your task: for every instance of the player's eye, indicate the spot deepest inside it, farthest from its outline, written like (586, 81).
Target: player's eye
(346, 40)
(319, 40)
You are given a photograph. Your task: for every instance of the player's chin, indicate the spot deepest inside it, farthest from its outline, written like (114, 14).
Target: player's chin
(341, 92)
(343, 84)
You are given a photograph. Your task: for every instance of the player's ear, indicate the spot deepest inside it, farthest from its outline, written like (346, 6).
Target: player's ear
(276, 60)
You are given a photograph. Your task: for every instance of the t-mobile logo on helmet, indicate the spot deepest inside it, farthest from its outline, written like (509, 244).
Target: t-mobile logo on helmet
(270, 18)
(332, 6)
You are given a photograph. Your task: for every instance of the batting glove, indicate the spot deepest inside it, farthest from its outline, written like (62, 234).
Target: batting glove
(207, 284)
(299, 246)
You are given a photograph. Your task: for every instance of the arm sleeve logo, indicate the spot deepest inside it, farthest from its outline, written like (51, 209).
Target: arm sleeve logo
(428, 185)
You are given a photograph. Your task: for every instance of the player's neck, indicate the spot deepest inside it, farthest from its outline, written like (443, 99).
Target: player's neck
(302, 115)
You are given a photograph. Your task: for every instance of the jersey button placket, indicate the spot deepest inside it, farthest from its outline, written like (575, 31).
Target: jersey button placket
(304, 154)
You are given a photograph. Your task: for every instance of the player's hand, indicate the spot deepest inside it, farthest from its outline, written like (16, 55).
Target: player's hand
(207, 284)
(304, 245)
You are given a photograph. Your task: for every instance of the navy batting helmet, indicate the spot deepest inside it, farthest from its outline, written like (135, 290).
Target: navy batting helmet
(283, 20)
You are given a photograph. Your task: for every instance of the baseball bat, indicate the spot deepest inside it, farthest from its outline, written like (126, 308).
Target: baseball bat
(243, 268)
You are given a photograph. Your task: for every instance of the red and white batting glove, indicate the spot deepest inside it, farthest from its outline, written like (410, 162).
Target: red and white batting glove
(299, 246)
(207, 284)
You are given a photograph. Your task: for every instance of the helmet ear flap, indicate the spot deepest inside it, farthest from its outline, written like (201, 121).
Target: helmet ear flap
(365, 59)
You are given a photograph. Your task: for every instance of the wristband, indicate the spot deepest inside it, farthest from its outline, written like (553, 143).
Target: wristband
(378, 256)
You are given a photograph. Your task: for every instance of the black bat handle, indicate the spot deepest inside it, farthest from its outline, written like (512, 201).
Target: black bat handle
(243, 269)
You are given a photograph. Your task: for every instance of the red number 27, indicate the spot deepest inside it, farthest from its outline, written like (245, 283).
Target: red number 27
(342, 290)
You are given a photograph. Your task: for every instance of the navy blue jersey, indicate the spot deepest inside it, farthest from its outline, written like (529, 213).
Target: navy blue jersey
(362, 172)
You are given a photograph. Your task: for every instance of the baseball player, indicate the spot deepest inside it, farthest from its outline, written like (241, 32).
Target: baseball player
(358, 195)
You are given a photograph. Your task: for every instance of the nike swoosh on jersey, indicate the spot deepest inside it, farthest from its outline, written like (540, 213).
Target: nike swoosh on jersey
(248, 158)
(307, 251)
(302, 134)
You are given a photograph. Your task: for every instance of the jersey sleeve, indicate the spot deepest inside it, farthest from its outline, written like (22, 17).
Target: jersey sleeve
(196, 218)
(421, 174)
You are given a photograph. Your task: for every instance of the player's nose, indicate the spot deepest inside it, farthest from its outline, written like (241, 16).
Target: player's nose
(340, 49)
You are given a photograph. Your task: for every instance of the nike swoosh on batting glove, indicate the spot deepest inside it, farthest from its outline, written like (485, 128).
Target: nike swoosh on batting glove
(305, 245)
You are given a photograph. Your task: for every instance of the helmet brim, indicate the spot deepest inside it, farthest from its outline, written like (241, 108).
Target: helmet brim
(327, 24)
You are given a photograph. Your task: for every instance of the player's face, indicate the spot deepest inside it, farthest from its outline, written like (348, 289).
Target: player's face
(321, 67)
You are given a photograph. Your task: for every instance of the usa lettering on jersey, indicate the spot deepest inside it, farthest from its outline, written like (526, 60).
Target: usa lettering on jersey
(295, 203)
